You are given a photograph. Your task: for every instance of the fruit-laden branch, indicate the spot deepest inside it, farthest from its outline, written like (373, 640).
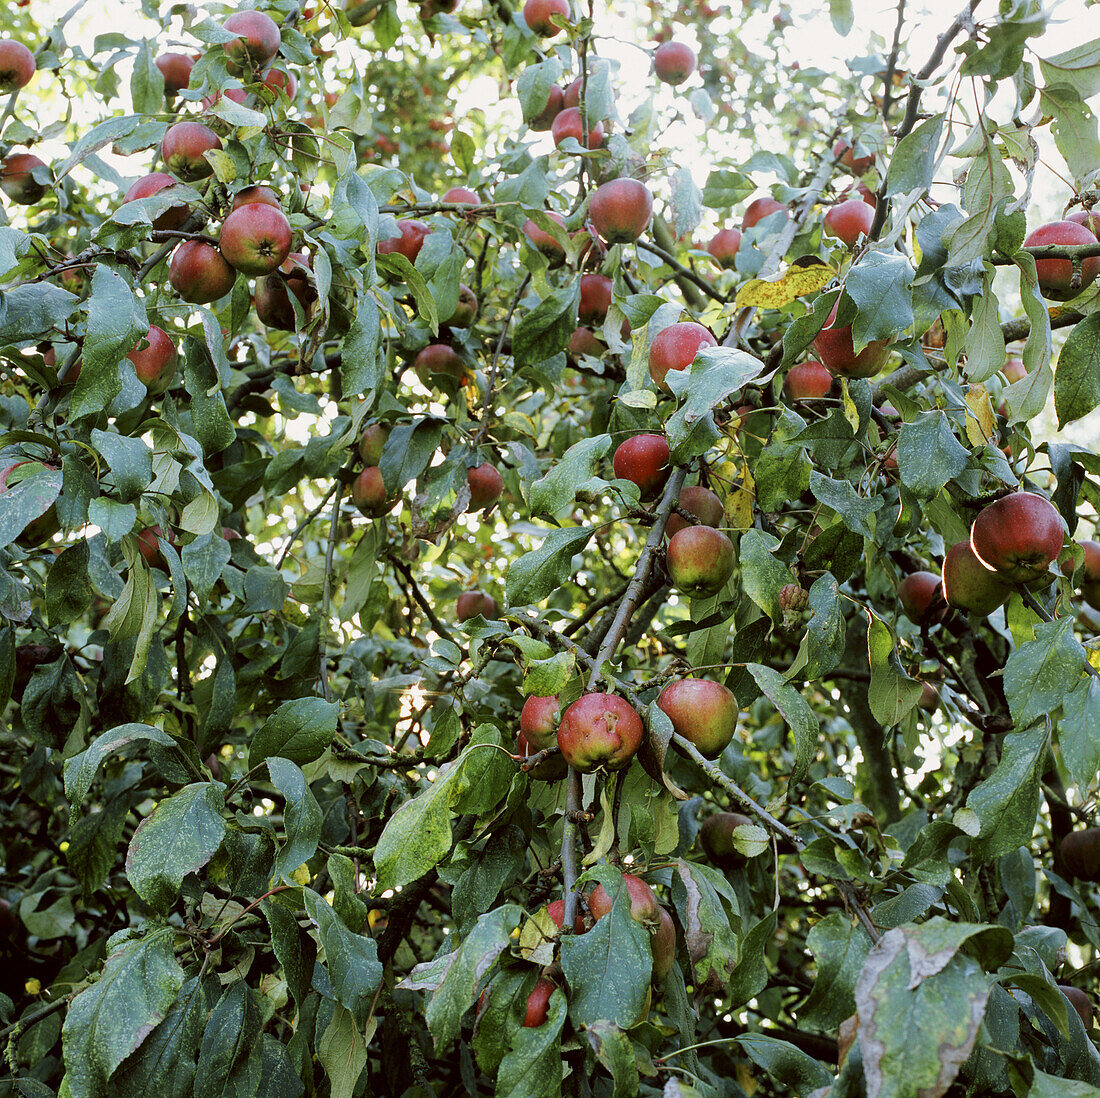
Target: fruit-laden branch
(912, 106)
(892, 65)
(682, 272)
(1050, 251)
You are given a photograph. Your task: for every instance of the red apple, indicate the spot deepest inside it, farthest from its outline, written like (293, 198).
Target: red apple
(673, 62)
(234, 95)
(700, 560)
(538, 722)
(556, 910)
(859, 190)
(149, 541)
(255, 238)
(486, 485)
(155, 362)
(538, 1002)
(1018, 536)
(472, 603)
(372, 442)
(537, 13)
(183, 147)
(567, 123)
(675, 348)
(808, 379)
(643, 460)
(716, 839)
(663, 945)
(1055, 275)
(554, 103)
(837, 351)
(916, 593)
(199, 273)
(465, 311)
(584, 341)
(1090, 585)
(17, 66)
(175, 216)
(257, 43)
(176, 70)
(620, 211)
(279, 80)
(272, 296)
(543, 241)
(599, 730)
(462, 196)
(439, 359)
(17, 182)
(968, 585)
(761, 208)
(701, 711)
(409, 242)
(368, 493)
(929, 699)
(1081, 1003)
(850, 220)
(1089, 218)
(596, 290)
(1081, 852)
(1014, 370)
(846, 157)
(643, 900)
(700, 502)
(572, 95)
(723, 247)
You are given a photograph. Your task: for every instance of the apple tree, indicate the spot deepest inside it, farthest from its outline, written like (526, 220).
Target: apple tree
(534, 554)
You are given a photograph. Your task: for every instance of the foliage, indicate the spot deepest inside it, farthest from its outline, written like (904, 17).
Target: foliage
(268, 830)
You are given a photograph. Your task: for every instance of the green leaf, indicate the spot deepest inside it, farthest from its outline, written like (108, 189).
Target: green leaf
(80, 770)
(213, 427)
(179, 837)
(795, 710)
(542, 571)
(93, 844)
(106, 1022)
(880, 285)
(298, 730)
(929, 454)
(351, 959)
(1039, 673)
(533, 87)
(409, 450)
(839, 948)
(558, 487)
(1074, 128)
(892, 693)
(751, 976)
(711, 933)
(823, 641)
(68, 586)
(615, 1051)
(1077, 379)
(763, 576)
(842, 16)
(547, 328)
(301, 818)
(789, 1066)
(22, 503)
(914, 160)
(229, 1059)
(342, 1051)
(1079, 732)
(130, 459)
(204, 559)
(857, 512)
(417, 837)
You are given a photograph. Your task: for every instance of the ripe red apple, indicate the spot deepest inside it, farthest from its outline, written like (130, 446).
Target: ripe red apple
(1055, 275)
(968, 585)
(463, 196)
(860, 190)
(272, 295)
(584, 341)
(149, 541)
(723, 247)
(1081, 1003)
(258, 41)
(675, 348)
(846, 157)
(807, 379)
(700, 560)
(537, 13)
(17, 182)
(17, 66)
(599, 730)
(1089, 218)
(850, 220)
(538, 722)
(673, 62)
(155, 362)
(465, 311)
(643, 460)
(620, 211)
(183, 147)
(148, 185)
(916, 594)
(760, 208)
(471, 603)
(368, 493)
(199, 273)
(1014, 370)
(257, 192)
(439, 359)
(1081, 853)
(663, 945)
(837, 351)
(701, 711)
(543, 241)
(572, 95)
(411, 239)
(545, 118)
(234, 95)
(596, 290)
(556, 910)
(486, 485)
(176, 70)
(1018, 536)
(700, 502)
(929, 699)
(371, 443)
(643, 900)
(567, 123)
(1090, 585)
(538, 1002)
(552, 769)
(279, 80)
(716, 839)
(255, 238)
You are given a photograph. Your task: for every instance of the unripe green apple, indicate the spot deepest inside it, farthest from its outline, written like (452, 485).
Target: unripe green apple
(600, 730)
(700, 561)
(701, 711)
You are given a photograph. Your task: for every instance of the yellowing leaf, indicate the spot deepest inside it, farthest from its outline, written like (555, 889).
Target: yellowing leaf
(851, 413)
(981, 427)
(739, 503)
(803, 277)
